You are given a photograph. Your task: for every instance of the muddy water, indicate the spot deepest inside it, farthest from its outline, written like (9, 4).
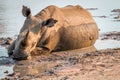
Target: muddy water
(103, 44)
(4, 69)
(6, 64)
(43, 65)
(11, 19)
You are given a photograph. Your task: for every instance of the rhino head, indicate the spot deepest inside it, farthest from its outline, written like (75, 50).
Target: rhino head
(31, 32)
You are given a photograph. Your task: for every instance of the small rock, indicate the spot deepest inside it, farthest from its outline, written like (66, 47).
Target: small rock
(100, 64)
(65, 78)
(49, 72)
(73, 60)
(86, 55)
(12, 74)
(6, 72)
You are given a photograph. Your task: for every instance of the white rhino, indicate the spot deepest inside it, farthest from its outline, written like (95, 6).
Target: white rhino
(54, 29)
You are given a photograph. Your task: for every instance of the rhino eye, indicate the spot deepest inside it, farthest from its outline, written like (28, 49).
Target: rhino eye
(23, 44)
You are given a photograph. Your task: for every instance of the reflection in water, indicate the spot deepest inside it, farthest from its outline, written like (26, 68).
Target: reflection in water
(104, 44)
(3, 51)
(11, 19)
(42, 65)
(32, 68)
(3, 69)
(6, 66)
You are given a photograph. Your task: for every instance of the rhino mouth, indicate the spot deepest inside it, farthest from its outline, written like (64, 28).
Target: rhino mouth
(19, 56)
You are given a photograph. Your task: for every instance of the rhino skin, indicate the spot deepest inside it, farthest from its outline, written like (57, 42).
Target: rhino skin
(54, 29)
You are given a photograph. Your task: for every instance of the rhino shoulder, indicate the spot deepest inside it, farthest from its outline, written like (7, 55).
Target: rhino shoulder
(47, 12)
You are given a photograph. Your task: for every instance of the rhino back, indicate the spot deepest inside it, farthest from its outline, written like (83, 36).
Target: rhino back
(76, 15)
(75, 37)
(69, 15)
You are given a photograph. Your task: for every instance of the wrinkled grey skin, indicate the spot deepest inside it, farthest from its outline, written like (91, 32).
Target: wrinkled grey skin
(54, 29)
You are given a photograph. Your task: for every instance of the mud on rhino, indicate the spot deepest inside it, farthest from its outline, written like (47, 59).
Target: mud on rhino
(54, 29)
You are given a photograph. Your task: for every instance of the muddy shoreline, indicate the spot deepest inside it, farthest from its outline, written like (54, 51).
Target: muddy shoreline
(68, 65)
(110, 35)
(101, 64)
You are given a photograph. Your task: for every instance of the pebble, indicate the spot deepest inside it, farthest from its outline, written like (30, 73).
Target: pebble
(6, 72)
(100, 64)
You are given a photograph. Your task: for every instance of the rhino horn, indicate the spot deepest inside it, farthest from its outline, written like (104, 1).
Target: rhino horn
(26, 37)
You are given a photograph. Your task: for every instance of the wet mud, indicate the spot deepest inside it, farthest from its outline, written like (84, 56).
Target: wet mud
(116, 15)
(103, 16)
(6, 41)
(110, 35)
(91, 8)
(101, 64)
(6, 61)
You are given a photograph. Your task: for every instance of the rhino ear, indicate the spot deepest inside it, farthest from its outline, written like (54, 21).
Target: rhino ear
(49, 23)
(26, 11)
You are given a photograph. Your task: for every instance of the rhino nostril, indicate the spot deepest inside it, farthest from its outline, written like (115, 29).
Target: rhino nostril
(10, 53)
